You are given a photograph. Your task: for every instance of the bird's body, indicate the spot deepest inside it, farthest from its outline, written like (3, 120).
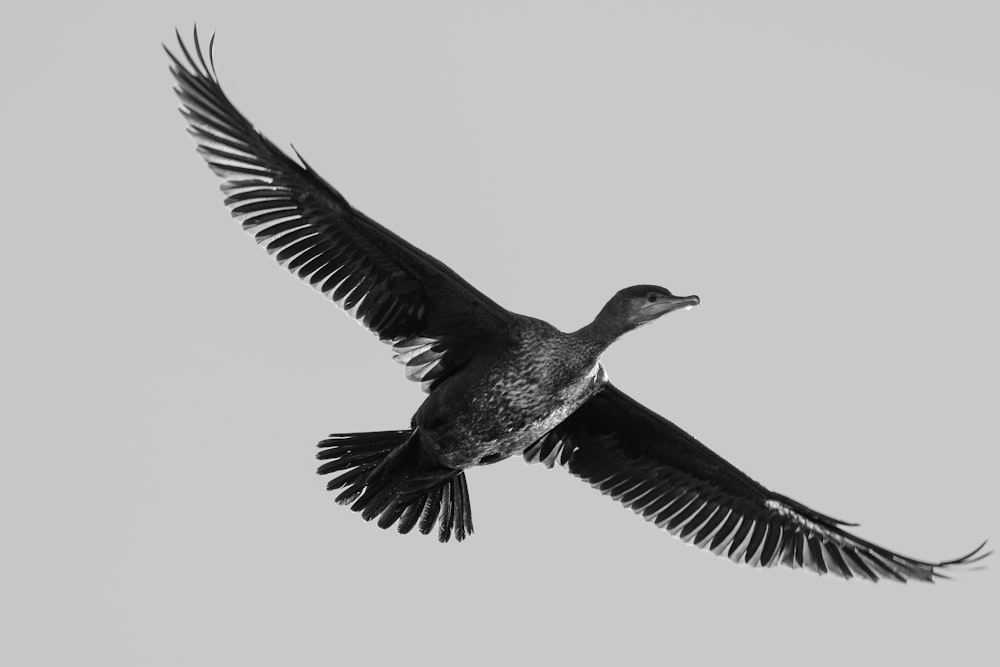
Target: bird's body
(506, 399)
(499, 384)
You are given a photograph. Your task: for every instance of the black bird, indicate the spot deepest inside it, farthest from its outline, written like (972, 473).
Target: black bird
(498, 383)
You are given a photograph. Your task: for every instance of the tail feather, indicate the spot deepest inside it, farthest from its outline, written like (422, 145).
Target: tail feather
(390, 515)
(357, 454)
(383, 475)
(410, 517)
(432, 507)
(463, 522)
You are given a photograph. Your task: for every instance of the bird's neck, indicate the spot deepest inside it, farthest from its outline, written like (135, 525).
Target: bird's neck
(598, 335)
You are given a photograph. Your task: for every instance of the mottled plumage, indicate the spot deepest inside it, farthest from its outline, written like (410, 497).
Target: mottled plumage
(499, 384)
(509, 397)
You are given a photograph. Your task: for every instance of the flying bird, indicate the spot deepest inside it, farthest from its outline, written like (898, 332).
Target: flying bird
(498, 384)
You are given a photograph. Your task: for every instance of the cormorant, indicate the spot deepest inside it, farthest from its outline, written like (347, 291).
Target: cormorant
(498, 383)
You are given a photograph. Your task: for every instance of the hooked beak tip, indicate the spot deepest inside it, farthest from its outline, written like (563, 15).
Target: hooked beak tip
(687, 302)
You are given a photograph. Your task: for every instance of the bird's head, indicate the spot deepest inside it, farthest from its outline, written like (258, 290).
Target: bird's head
(641, 304)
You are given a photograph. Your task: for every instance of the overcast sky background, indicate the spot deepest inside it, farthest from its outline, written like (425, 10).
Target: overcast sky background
(825, 180)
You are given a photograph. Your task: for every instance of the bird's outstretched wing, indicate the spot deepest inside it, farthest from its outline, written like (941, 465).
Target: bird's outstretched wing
(659, 471)
(434, 319)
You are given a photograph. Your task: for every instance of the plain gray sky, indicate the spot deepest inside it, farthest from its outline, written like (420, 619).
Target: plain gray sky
(825, 179)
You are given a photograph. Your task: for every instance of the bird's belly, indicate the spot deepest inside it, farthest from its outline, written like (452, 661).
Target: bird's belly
(504, 423)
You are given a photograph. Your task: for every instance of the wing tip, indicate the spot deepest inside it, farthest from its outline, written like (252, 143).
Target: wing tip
(207, 69)
(975, 556)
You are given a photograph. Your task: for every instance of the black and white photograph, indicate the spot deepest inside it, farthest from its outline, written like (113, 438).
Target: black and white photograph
(501, 333)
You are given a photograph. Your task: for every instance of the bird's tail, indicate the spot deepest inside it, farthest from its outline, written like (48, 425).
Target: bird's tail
(384, 475)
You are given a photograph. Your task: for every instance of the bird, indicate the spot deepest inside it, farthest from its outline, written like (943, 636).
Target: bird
(498, 384)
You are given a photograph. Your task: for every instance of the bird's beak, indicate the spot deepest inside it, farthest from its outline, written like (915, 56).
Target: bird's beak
(669, 304)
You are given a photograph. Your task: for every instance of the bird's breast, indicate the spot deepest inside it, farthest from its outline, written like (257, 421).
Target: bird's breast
(515, 407)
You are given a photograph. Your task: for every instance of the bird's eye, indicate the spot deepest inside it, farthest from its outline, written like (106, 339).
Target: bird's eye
(652, 296)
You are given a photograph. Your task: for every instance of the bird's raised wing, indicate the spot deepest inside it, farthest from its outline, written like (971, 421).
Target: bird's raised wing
(659, 471)
(434, 319)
